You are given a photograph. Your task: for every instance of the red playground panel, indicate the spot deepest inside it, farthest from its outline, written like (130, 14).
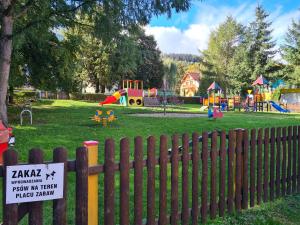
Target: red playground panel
(134, 92)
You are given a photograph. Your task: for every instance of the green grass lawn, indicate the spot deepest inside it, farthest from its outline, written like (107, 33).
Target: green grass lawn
(66, 123)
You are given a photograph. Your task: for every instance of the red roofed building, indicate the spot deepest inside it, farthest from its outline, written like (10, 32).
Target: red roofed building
(190, 84)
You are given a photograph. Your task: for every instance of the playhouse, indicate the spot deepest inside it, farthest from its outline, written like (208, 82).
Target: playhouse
(133, 94)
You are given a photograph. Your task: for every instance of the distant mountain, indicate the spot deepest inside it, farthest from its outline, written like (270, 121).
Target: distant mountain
(183, 57)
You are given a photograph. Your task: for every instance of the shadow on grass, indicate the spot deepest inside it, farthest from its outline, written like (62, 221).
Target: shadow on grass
(283, 211)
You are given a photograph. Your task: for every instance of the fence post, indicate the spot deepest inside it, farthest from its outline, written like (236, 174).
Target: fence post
(298, 159)
(124, 181)
(10, 211)
(266, 165)
(81, 186)
(163, 155)
(231, 150)
(92, 150)
(138, 180)
(185, 180)
(222, 175)
(151, 181)
(245, 170)
(60, 205)
(253, 143)
(35, 208)
(109, 183)
(238, 170)
(294, 176)
(204, 182)
(195, 178)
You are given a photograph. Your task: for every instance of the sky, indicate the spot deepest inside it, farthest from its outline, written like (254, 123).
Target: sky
(188, 32)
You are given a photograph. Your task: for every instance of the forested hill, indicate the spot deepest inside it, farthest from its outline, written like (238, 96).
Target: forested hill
(183, 57)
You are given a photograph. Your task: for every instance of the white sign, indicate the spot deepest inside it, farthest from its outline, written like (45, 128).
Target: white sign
(35, 182)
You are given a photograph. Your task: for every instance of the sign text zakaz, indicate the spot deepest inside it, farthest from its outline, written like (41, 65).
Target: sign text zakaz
(36, 182)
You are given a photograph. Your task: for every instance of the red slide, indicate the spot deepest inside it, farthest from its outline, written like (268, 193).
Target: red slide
(115, 97)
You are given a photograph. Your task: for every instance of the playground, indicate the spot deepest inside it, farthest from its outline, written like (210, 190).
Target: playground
(66, 123)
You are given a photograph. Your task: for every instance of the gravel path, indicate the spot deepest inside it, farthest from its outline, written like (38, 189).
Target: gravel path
(170, 115)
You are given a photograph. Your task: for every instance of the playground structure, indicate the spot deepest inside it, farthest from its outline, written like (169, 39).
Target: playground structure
(262, 98)
(257, 100)
(132, 94)
(104, 118)
(215, 99)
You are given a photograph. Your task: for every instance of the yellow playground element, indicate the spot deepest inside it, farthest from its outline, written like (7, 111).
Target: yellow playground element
(104, 118)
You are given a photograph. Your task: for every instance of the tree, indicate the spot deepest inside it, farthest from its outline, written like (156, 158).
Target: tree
(222, 45)
(170, 72)
(261, 47)
(150, 67)
(291, 52)
(115, 15)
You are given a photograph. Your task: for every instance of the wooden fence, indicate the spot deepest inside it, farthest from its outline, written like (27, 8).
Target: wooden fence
(212, 174)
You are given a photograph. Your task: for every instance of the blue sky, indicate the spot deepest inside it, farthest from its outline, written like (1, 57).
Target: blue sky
(188, 32)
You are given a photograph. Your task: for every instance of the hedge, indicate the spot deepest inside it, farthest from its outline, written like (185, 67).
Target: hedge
(88, 97)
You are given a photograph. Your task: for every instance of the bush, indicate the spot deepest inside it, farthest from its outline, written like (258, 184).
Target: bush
(21, 97)
(88, 97)
(190, 100)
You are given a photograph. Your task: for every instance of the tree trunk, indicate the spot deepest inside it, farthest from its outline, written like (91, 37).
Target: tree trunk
(5, 58)
(97, 85)
(102, 88)
(11, 95)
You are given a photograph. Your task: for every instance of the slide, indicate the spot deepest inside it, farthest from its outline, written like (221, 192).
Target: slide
(279, 108)
(115, 97)
(203, 108)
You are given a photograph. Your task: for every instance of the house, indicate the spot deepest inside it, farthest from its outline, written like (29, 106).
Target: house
(190, 84)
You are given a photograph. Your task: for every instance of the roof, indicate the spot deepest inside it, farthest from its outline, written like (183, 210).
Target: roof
(195, 76)
(260, 81)
(214, 86)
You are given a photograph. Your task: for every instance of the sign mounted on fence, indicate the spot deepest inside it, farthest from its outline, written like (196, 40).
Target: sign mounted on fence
(35, 182)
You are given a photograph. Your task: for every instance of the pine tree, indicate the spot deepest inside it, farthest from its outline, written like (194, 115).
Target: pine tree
(261, 45)
(291, 52)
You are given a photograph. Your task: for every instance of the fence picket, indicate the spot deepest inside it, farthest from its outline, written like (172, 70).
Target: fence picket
(266, 165)
(195, 176)
(298, 180)
(252, 167)
(60, 155)
(10, 211)
(151, 181)
(174, 181)
(222, 174)
(213, 180)
(278, 161)
(259, 165)
(124, 182)
(283, 167)
(294, 175)
(289, 162)
(109, 183)
(82, 186)
(204, 182)
(163, 181)
(35, 208)
(185, 180)
(245, 169)
(138, 181)
(238, 171)
(272, 164)
(231, 152)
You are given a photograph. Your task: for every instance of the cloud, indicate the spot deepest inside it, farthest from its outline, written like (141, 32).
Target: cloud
(208, 17)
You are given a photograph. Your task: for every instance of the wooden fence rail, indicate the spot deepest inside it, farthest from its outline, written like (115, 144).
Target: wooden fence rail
(187, 182)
